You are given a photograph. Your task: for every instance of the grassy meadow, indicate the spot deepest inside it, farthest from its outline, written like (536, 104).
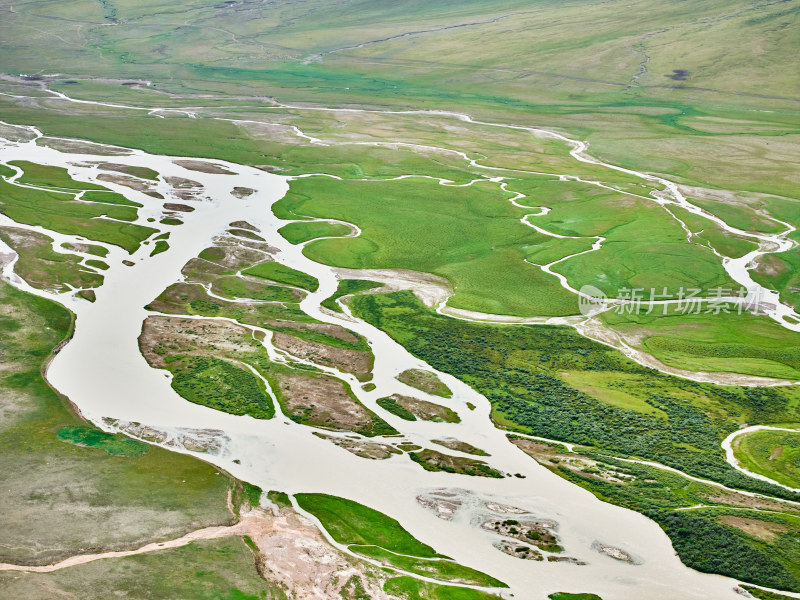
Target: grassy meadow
(775, 454)
(75, 475)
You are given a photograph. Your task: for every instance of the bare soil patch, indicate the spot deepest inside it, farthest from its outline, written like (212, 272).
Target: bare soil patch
(459, 446)
(765, 530)
(424, 381)
(363, 448)
(322, 401)
(242, 192)
(431, 460)
(351, 361)
(162, 336)
(133, 183)
(203, 167)
(426, 411)
(178, 207)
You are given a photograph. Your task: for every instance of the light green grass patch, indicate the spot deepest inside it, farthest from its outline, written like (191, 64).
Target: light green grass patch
(303, 231)
(726, 342)
(49, 176)
(775, 454)
(414, 589)
(90, 437)
(282, 274)
(347, 287)
(352, 523)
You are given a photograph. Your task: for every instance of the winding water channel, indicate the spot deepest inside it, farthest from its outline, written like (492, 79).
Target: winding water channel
(104, 374)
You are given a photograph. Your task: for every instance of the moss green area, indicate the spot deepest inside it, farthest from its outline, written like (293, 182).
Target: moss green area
(425, 381)
(781, 272)
(140, 172)
(568, 596)
(91, 437)
(236, 287)
(282, 274)
(6, 171)
(393, 407)
(472, 236)
(49, 176)
(152, 496)
(42, 267)
(347, 287)
(414, 589)
(379, 536)
(718, 337)
(303, 231)
(108, 198)
(279, 498)
(96, 264)
(222, 386)
(159, 247)
(775, 454)
(707, 231)
(352, 523)
(251, 494)
(444, 570)
(520, 370)
(185, 299)
(59, 212)
(204, 570)
(431, 460)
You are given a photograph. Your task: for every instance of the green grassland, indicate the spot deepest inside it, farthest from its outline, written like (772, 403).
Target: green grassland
(764, 594)
(775, 454)
(204, 570)
(345, 288)
(724, 342)
(48, 176)
(526, 371)
(76, 476)
(282, 274)
(473, 237)
(222, 386)
(781, 272)
(302, 231)
(114, 444)
(414, 589)
(708, 232)
(468, 235)
(183, 299)
(352, 523)
(42, 267)
(425, 381)
(609, 76)
(374, 534)
(431, 460)
(60, 212)
(391, 405)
